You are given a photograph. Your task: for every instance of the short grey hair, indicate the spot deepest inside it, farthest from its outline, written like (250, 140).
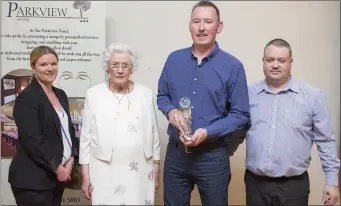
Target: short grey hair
(120, 48)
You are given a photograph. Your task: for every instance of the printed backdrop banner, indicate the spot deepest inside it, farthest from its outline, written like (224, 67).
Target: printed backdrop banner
(76, 30)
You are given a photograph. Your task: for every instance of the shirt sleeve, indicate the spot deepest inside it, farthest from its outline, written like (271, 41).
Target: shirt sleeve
(239, 114)
(325, 140)
(164, 101)
(156, 135)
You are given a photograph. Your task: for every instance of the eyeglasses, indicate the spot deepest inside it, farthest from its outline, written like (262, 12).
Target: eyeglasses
(116, 66)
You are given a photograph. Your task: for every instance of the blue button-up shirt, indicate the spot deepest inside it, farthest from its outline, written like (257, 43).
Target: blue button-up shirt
(283, 129)
(217, 81)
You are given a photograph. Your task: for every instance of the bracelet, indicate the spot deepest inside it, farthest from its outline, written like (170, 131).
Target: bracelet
(156, 161)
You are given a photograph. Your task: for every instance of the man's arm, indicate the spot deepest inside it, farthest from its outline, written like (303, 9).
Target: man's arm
(239, 114)
(325, 140)
(164, 100)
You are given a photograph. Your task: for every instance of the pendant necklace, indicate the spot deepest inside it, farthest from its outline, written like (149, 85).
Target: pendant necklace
(120, 99)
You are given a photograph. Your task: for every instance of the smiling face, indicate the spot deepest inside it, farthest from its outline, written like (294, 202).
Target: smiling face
(46, 69)
(277, 63)
(204, 26)
(120, 68)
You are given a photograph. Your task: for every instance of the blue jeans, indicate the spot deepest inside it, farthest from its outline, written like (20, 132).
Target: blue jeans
(210, 171)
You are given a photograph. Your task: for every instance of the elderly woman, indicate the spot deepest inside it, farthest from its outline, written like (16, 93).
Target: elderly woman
(119, 143)
(47, 143)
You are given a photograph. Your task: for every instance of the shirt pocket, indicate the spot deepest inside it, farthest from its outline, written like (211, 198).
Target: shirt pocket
(215, 84)
(295, 116)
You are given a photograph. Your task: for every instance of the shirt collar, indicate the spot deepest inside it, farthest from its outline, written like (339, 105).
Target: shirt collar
(292, 86)
(211, 54)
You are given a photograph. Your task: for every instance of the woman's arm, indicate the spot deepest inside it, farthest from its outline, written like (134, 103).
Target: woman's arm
(156, 136)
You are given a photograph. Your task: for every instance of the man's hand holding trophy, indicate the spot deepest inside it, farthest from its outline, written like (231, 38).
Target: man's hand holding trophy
(186, 111)
(182, 119)
(190, 138)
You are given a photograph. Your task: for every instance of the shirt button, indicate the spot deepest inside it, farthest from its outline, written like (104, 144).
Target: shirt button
(192, 107)
(195, 78)
(268, 174)
(273, 127)
(193, 92)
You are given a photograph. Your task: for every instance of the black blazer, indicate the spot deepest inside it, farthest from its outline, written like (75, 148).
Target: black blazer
(40, 148)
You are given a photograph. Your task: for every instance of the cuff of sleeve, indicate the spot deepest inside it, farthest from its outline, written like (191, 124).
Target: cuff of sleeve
(53, 165)
(83, 161)
(332, 179)
(209, 130)
(156, 156)
(168, 109)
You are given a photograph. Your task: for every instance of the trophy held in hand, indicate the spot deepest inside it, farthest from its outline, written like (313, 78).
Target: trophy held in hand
(185, 105)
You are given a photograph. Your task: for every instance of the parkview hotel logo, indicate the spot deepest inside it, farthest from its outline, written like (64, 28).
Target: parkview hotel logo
(25, 13)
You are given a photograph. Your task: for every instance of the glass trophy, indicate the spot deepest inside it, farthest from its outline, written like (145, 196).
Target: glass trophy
(185, 109)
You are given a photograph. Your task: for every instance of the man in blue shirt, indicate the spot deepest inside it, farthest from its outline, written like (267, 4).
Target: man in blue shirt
(215, 83)
(287, 116)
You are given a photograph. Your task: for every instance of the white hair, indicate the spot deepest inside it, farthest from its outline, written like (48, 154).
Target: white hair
(120, 48)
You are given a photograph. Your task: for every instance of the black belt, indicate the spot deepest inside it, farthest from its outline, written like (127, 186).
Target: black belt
(206, 147)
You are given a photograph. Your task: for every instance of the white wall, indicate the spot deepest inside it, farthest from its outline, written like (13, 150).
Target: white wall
(312, 28)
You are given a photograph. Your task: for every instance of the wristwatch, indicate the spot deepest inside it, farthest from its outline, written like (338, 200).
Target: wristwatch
(156, 161)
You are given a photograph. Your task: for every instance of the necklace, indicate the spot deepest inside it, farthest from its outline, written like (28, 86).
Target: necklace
(120, 99)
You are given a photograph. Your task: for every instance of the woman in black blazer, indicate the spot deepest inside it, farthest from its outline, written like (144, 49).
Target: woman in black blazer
(47, 143)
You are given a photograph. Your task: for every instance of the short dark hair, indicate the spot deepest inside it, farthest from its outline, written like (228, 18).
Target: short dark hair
(206, 3)
(279, 43)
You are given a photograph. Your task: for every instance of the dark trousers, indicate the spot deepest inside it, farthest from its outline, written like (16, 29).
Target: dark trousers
(28, 197)
(266, 191)
(209, 170)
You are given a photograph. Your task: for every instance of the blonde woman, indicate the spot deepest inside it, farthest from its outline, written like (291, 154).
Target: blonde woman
(47, 143)
(119, 143)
